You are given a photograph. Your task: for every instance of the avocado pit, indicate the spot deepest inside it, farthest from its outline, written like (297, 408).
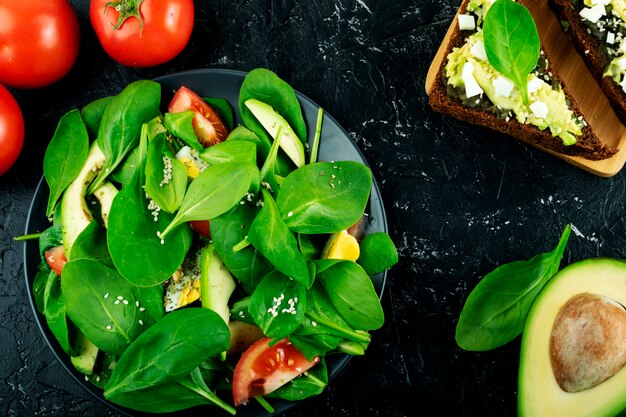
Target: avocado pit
(588, 341)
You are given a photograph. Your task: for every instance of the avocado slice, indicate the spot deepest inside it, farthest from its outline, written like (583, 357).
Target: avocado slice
(216, 282)
(86, 354)
(272, 121)
(555, 383)
(75, 215)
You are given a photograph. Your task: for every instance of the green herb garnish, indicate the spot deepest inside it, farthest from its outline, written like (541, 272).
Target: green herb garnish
(512, 42)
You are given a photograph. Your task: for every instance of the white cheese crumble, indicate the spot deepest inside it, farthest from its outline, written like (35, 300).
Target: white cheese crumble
(478, 50)
(467, 22)
(610, 38)
(503, 86)
(534, 84)
(539, 109)
(471, 86)
(593, 14)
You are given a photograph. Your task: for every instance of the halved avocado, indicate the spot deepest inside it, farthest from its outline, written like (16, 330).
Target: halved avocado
(588, 289)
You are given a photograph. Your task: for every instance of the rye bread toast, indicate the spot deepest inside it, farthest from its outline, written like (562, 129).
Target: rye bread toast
(592, 50)
(587, 146)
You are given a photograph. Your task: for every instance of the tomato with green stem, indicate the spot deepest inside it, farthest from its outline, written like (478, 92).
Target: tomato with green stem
(11, 130)
(142, 33)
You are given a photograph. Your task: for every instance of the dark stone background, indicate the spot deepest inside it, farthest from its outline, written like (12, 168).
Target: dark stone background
(460, 200)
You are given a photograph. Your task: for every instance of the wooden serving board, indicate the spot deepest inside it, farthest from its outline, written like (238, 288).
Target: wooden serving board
(581, 85)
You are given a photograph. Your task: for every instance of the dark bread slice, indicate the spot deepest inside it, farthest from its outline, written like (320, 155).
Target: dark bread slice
(587, 146)
(592, 51)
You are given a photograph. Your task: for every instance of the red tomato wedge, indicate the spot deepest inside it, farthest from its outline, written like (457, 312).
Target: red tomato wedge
(202, 227)
(56, 258)
(264, 368)
(207, 125)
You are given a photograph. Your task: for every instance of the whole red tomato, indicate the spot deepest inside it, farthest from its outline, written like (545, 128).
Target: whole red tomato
(11, 130)
(39, 41)
(142, 33)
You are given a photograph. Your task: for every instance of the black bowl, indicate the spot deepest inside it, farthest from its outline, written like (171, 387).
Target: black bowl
(335, 144)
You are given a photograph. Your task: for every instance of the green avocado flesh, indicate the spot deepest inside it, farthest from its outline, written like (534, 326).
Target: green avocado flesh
(603, 281)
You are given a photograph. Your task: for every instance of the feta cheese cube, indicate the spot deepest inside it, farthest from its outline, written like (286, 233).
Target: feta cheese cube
(478, 51)
(471, 86)
(534, 84)
(539, 109)
(610, 38)
(593, 14)
(503, 86)
(466, 22)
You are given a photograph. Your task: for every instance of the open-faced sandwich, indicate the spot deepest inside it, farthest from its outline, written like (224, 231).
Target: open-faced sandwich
(598, 31)
(496, 75)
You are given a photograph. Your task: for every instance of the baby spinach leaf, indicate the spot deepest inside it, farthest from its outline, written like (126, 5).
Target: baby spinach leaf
(39, 287)
(224, 110)
(230, 151)
(126, 170)
(325, 197)
(65, 156)
(496, 309)
(163, 398)
(92, 244)
(270, 236)
(309, 246)
(378, 253)
(122, 122)
(92, 115)
(512, 42)
(240, 310)
(151, 298)
(102, 304)
(166, 177)
(247, 265)
(278, 305)
(50, 238)
(102, 369)
(314, 344)
(55, 312)
(141, 256)
(181, 126)
(352, 293)
(169, 350)
(241, 133)
(214, 192)
(306, 385)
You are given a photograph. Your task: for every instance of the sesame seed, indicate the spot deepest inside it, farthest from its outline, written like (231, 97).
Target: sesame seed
(109, 327)
(142, 309)
(290, 214)
(125, 302)
(106, 295)
(137, 303)
(119, 297)
(117, 302)
(141, 322)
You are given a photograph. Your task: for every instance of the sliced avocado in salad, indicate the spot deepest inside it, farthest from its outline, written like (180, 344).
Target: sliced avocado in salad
(273, 122)
(86, 354)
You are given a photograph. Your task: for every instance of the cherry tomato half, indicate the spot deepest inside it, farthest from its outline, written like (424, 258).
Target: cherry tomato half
(39, 42)
(264, 368)
(11, 130)
(207, 125)
(56, 259)
(142, 33)
(202, 227)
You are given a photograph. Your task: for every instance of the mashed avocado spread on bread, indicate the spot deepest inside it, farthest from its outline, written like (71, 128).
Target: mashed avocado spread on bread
(471, 78)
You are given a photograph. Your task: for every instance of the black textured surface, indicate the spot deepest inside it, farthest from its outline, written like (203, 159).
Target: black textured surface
(460, 200)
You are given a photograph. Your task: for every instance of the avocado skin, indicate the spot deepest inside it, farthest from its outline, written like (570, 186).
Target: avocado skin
(538, 392)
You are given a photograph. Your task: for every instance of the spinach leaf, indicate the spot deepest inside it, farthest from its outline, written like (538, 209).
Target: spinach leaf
(102, 369)
(230, 151)
(164, 398)
(511, 42)
(181, 126)
(240, 310)
(39, 287)
(151, 298)
(378, 253)
(140, 255)
(65, 156)
(169, 350)
(241, 133)
(247, 265)
(270, 236)
(310, 246)
(166, 177)
(102, 304)
(311, 383)
(496, 309)
(92, 115)
(50, 238)
(352, 293)
(278, 305)
(224, 111)
(216, 190)
(92, 244)
(126, 170)
(55, 312)
(122, 122)
(325, 197)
